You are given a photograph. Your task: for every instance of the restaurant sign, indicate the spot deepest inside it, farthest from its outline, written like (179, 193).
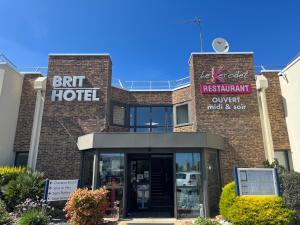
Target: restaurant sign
(218, 85)
(241, 88)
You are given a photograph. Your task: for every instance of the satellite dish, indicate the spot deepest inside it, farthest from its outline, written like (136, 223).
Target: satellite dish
(220, 45)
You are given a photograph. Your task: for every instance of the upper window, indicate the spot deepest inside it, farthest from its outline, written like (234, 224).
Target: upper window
(283, 158)
(119, 115)
(182, 114)
(150, 119)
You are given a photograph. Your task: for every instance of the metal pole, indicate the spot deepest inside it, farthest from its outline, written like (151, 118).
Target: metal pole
(95, 171)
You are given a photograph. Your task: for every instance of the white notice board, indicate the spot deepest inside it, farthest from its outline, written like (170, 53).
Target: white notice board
(59, 190)
(256, 181)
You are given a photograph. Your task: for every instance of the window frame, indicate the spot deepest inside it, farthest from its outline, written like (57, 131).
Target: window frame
(126, 114)
(18, 153)
(175, 124)
(135, 126)
(286, 153)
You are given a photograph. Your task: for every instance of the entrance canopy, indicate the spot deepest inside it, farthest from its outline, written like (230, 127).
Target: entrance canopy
(151, 140)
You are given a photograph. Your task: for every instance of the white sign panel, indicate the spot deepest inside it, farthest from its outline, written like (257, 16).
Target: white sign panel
(59, 190)
(70, 88)
(257, 181)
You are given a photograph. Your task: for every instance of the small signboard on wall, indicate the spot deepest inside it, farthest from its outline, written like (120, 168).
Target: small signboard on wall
(256, 181)
(59, 190)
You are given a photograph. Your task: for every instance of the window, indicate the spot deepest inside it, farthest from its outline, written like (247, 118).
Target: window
(119, 115)
(150, 119)
(21, 158)
(111, 172)
(189, 186)
(283, 158)
(182, 114)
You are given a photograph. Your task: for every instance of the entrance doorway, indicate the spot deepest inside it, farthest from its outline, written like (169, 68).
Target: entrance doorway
(150, 185)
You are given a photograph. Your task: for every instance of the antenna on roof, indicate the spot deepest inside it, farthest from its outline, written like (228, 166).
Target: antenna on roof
(197, 22)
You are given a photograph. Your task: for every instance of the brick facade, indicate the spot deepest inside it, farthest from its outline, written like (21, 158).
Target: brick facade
(64, 121)
(241, 128)
(26, 113)
(276, 112)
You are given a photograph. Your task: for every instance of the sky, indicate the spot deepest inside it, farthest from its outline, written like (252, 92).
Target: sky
(148, 39)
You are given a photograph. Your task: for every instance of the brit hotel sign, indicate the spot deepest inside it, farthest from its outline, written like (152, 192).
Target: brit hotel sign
(218, 86)
(71, 88)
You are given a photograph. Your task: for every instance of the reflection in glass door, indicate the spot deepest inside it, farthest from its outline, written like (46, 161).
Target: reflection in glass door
(139, 185)
(111, 172)
(189, 187)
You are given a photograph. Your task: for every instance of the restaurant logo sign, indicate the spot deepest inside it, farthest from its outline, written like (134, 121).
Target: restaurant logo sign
(218, 85)
(70, 88)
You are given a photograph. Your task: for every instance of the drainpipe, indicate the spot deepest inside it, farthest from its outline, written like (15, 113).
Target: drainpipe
(261, 86)
(40, 88)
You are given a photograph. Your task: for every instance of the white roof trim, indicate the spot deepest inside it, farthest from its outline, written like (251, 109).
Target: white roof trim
(269, 71)
(218, 53)
(78, 54)
(152, 90)
(10, 67)
(28, 72)
(290, 64)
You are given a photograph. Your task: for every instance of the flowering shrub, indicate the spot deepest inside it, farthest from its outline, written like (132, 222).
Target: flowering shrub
(26, 185)
(30, 204)
(86, 207)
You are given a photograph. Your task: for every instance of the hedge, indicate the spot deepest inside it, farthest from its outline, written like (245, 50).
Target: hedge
(261, 210)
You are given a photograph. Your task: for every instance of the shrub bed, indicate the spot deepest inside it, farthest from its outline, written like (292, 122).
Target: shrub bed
(86, 207)
(291, 191)
(4, 216)
(26, 185)
(266, 210)
(34, 217)
(8, 173)
(205, 221)
(227, 199)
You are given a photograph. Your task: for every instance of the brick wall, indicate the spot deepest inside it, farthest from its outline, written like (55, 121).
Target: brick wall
(276, 112)
(26, 113)
(64, 121)
(241, 128)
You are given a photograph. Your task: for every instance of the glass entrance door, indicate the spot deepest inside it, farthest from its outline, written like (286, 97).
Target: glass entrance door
(150, 191)
(139, 184)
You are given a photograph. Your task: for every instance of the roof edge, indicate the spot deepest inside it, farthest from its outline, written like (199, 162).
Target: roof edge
(219, 53)
(295, 60)
(78, 54)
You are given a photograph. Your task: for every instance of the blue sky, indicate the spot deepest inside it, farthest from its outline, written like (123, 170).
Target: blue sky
(147, 39)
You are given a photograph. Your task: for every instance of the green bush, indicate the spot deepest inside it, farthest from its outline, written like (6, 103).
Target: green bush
(34, 217)
(27, 185)
(291, 191)
(205, 221)
(8, 173)
(86, 206)
(262, 210)
(227, 199)
(4, 216)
